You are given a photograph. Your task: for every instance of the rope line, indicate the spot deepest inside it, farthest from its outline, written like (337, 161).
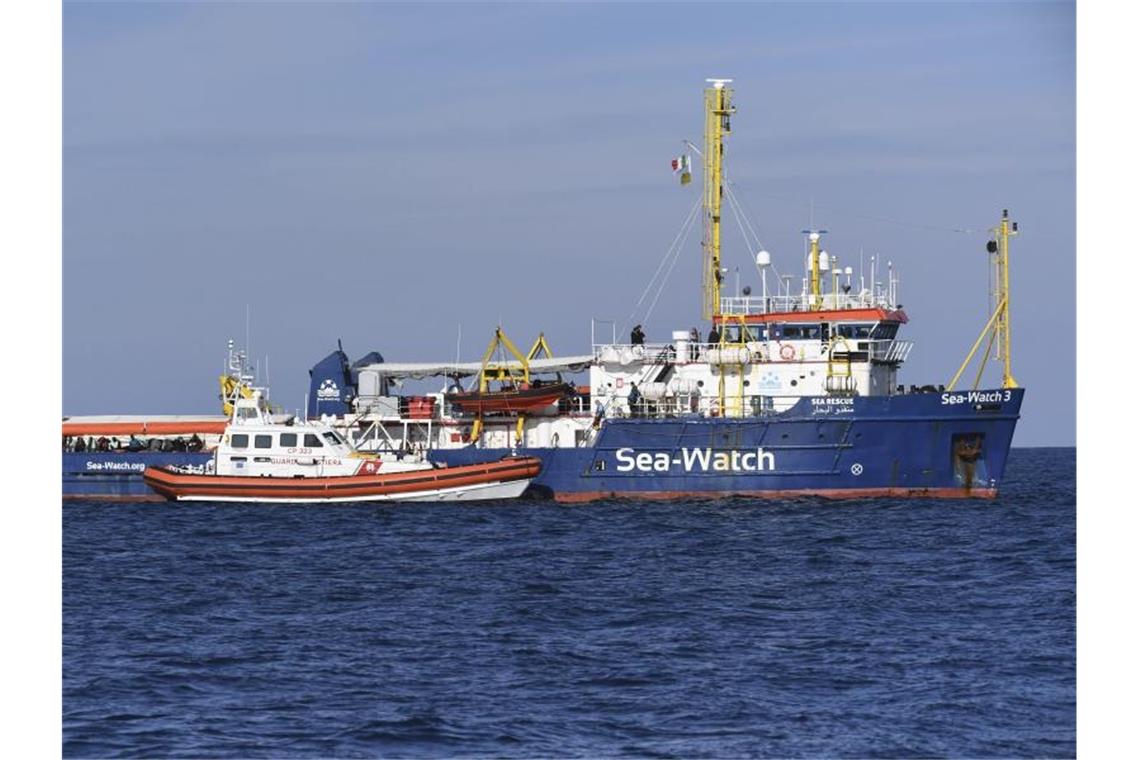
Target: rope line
(676, 258)
(685, 226)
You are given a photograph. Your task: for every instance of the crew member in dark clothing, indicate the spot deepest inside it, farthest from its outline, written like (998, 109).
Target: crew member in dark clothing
(714, 337)
(80, 445)
(194, 444)
(634, 400)
(637, 336)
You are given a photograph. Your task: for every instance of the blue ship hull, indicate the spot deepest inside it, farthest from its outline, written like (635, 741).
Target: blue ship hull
(117, 475)
(926, 444)
(905, 445)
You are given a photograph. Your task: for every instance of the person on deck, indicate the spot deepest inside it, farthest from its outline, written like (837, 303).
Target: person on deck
(637, 336)
(714, 337)
(634, 400)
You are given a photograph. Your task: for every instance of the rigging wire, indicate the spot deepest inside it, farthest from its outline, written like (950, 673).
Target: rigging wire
(899, 222)
(686, 225)
(676, 258)
(742, 220)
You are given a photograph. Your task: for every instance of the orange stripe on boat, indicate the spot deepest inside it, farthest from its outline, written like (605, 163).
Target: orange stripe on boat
(142, 427)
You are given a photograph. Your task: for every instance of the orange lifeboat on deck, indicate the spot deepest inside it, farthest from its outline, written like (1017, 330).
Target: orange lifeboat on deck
(509, 400)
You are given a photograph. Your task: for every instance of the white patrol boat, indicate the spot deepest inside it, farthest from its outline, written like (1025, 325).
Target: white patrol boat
(263, 458)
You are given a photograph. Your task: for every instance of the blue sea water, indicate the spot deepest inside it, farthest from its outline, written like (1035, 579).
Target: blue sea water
(877, 628)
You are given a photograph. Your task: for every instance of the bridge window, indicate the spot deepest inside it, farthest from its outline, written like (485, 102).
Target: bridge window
(855, 330)
(313, 442)
(288, 440)
(239, 440)
(885, 331)
(333, 438)
(802, 332)
(263, 441)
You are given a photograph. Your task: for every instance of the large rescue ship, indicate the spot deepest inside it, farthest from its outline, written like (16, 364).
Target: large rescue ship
(789, 393)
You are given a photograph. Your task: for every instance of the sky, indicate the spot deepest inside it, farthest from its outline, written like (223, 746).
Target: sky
(402, 176)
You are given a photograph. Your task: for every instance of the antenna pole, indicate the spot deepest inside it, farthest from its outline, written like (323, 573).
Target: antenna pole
(813, 257)
(718, 109)
(1004, 231)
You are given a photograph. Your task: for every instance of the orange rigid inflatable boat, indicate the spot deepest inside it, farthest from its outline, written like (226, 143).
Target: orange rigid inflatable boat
(504, 479)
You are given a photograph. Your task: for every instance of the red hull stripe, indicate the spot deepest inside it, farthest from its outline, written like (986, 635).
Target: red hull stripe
(173, 484)
(828, 493)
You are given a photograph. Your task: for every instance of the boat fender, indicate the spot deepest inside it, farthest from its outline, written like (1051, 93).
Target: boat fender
(787, 352)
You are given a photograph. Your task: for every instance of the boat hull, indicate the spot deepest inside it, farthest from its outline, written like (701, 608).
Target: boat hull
(913, 445)
(117, 475)
(496, 402)
(501, 479)
(904, 446)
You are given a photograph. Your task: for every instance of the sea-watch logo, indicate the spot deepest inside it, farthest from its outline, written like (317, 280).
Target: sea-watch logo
(702, 460)
(328, 390)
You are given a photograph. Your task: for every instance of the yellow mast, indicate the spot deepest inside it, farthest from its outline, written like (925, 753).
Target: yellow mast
(816, 300)
(1004, 232)
(718, 109)
(999, 321)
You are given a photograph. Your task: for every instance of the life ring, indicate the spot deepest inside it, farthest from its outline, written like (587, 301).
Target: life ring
(787, 352)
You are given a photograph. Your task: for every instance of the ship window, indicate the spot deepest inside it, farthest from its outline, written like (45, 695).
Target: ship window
(885, 331)
(262, 441)
(333, 438)
(850, 330)
(239, 440)
(288, 440)
(801, 332)
(313, 442)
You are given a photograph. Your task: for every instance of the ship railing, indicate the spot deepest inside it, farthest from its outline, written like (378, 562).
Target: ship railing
(890, 351)
(704, 406)
(747, 305)
(629, 353)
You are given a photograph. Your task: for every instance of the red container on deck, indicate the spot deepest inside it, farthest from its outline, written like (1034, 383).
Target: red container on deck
(421, 407)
